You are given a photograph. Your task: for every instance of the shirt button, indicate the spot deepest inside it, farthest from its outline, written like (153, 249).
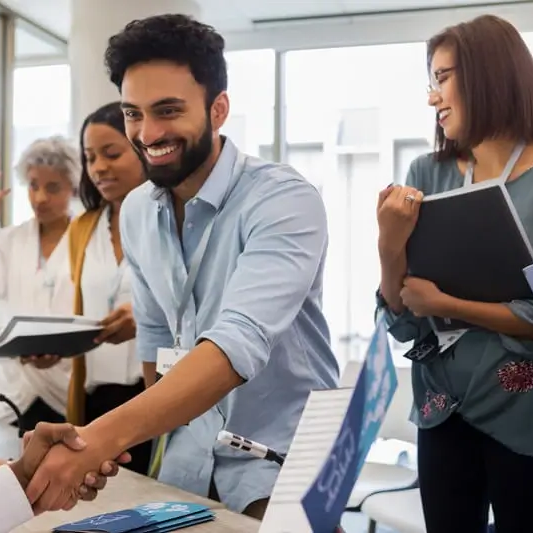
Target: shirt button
(189, 225)
(195, 201)
(188, 323)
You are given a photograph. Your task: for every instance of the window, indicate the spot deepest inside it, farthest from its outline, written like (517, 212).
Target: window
(41, 100)
(528, 38)
(251, 91)
(41, 108)
(360, 115)
(405, 152)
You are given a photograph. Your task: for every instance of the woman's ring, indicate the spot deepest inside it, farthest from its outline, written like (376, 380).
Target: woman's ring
(409, 198)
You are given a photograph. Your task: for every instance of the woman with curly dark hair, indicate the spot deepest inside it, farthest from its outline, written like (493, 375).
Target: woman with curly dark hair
(110, 375)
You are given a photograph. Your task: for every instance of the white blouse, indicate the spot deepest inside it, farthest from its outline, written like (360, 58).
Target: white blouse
(29, 285)
(105, 286)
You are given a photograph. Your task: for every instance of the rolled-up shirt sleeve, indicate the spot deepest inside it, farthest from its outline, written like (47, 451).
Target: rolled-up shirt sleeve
(404, 327)
(285, 239)
(15, 509)
(152, 328)
(523, 309)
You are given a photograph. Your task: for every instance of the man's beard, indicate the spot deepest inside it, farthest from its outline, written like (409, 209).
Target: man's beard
(192, 158)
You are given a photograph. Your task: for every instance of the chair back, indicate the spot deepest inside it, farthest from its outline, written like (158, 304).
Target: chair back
(397, 424)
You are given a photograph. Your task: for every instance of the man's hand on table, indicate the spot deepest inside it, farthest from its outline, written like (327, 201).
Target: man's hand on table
(48, 438)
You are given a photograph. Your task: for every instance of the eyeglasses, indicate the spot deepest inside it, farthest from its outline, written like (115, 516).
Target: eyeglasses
(435, 80)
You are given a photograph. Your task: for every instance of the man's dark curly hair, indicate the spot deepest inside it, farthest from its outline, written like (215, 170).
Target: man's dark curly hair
(176, 38)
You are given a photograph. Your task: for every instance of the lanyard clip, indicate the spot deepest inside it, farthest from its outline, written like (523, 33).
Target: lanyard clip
(177, 342)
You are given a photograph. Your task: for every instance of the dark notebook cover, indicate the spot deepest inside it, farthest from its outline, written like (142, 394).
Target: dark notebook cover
(471, 244)
(58, 341)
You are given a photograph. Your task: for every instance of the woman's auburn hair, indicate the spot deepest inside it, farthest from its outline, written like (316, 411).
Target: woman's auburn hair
(494, 74)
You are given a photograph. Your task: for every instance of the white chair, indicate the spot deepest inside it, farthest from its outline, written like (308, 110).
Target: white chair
(376, 477)
(400, 511)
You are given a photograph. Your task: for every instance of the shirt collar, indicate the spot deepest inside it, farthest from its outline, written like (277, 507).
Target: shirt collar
(213, 191)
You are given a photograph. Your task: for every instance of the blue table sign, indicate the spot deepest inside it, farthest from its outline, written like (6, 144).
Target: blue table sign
(326, 499)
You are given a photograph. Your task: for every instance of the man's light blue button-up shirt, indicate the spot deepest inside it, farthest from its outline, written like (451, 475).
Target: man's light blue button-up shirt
(257, 297)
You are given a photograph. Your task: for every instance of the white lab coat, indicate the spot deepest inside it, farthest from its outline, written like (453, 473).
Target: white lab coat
(29, 287)
(105, 286)
(15, 509)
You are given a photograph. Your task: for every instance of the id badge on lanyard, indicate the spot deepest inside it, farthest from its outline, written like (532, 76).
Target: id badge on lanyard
(168, 357)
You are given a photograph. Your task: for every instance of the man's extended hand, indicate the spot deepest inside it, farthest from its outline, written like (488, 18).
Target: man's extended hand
(38, 443)
(59, 477)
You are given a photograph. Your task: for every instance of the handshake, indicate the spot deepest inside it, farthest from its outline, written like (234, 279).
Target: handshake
(36, 447)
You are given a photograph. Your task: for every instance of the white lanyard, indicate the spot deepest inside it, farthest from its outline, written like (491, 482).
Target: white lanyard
(517, 152)
(167, 245)
(196, 261)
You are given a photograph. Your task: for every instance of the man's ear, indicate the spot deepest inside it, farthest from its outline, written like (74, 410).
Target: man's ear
(219, 110)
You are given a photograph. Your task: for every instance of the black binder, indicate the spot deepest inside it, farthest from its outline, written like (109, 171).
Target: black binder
(471, 243)
(38, 335)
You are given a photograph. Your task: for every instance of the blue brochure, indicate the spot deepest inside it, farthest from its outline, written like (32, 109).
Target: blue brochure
(151, 517)
(327, 497)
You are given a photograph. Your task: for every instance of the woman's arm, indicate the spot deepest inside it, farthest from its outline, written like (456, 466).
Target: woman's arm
(397, 214)
(423, 298)
(492, 316)
(393, 272)
(398, 209)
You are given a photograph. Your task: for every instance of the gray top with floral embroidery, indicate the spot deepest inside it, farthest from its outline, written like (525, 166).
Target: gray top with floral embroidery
(487, 378)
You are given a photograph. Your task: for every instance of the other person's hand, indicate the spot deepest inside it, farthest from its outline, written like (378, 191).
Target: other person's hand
(119, 326)
(397, 214)
(42, 362)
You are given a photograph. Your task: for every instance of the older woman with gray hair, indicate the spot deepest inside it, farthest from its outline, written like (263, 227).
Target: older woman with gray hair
(35, 277)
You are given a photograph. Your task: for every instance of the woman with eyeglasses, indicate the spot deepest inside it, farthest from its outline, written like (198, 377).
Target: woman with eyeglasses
(473, 404)
(35, 278)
